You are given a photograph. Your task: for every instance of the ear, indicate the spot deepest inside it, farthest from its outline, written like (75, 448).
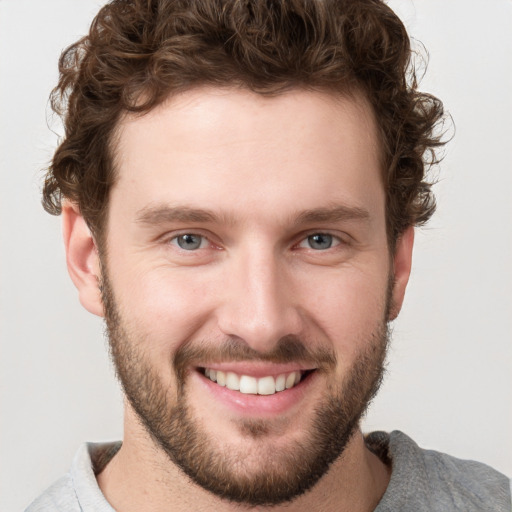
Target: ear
(402, 262)
(82, 258)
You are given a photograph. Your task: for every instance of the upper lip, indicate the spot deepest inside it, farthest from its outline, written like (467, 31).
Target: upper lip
(257, 369)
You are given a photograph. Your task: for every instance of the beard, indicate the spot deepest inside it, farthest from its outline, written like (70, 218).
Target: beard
(228, 471)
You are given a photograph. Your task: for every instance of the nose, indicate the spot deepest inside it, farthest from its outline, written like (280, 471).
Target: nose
(259, 306)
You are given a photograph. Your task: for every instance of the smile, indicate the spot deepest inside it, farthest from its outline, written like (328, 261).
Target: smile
(249, 385)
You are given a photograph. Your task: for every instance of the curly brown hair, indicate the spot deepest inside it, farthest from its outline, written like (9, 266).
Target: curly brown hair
(139, 52)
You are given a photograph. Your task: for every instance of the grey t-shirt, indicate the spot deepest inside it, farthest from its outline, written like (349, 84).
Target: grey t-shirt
(421, 481)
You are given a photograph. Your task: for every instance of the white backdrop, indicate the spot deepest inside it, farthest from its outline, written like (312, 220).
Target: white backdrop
(449, 383)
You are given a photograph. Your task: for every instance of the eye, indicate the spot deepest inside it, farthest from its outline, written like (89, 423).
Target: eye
(319, 241)
(189, 241)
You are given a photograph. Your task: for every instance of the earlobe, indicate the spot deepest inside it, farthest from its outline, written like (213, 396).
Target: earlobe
(82, 258)
(402, 262)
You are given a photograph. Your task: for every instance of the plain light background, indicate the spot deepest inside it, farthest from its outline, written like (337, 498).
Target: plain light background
(449, 382)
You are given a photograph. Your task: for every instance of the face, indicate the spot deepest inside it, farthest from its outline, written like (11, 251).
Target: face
(247, 283)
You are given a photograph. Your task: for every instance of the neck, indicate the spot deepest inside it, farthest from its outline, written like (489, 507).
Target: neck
(141, 477)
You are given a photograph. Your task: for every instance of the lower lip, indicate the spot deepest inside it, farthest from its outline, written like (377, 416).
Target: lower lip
(259, 405)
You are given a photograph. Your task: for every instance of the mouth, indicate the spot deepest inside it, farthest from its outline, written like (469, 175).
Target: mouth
(251, 385)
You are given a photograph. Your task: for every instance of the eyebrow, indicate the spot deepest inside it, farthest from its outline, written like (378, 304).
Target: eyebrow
(332, 214)
(155, 215)
(166, 214)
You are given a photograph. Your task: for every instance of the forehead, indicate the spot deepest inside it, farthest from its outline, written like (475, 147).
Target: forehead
(240, 151)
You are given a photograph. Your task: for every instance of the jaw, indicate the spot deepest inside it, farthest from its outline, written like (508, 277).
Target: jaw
(248, 448)
(138, 465)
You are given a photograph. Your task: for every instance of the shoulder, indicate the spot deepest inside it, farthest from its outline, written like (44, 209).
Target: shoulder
(59, 497)
(78, 490)
(430, 480)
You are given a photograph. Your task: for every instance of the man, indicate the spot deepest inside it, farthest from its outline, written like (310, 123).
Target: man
(239, 184)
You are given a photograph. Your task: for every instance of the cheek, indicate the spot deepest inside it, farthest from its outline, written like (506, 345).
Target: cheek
(348, 307)
(165, 306)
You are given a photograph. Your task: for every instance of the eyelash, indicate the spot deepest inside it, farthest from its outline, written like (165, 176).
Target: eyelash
(336, 240)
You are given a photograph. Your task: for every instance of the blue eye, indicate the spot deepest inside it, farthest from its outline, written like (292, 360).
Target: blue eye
(189, 241)
(319, 241)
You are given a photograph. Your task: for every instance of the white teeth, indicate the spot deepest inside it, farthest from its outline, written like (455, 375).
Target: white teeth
(266, 386)
(251, 385)
(248, 385)
(281, 383)
(232, 381)
(290, 380)
(221, 378)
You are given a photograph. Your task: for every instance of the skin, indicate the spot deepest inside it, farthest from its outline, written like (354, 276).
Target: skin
(255, 278)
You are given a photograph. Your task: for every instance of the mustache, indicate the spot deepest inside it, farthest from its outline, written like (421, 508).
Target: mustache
(288, 349)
